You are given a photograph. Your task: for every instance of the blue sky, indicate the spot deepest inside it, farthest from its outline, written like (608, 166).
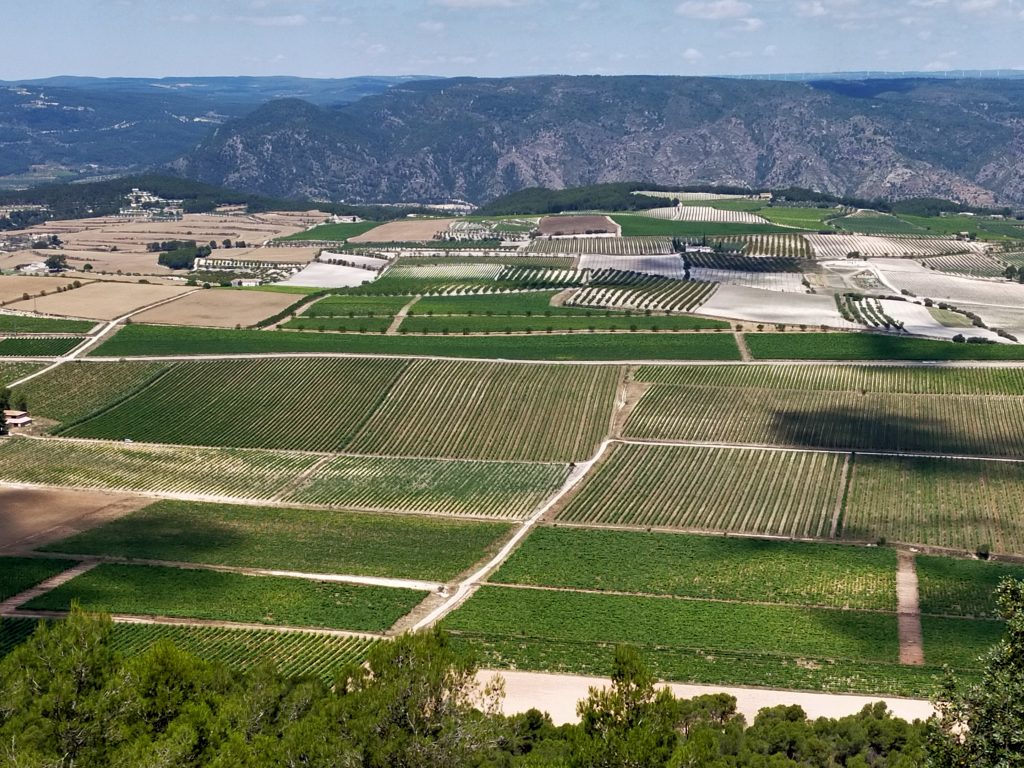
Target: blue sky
(340, 38)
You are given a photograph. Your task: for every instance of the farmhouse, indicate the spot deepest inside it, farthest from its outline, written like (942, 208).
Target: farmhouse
(17, 418)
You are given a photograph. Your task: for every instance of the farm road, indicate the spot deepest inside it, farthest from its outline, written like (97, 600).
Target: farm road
(402, 314)
(909, 611)
(8, 606)
(558, 695)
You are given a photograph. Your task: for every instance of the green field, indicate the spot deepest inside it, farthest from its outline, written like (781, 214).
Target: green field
(483, 410)
(154, 591)
(152, 341)
(805, 218)
(953, 587)
(873, 421)
(710, 567)
(845, 378)
(77, 389)
(356, 306)
(500, 490)
(242, 474)
(645, 226)
(300, 403)
(958, 642)
(46, 346)
(338, 324)
(25, 324)
(959, 504)
(687, 640)
(868, 346)
(19, 573)
(789, 493)
(875, 223)
(986, 229)
(337, 232)
(541, 324)
(292, 539)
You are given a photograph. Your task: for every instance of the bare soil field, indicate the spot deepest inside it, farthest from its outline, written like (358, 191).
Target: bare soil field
(14, 287)
(577, 225)
(318, 275)
(219, 308)
(407, 231)
(759, 306)
(270, 255)
(101, 300)
(30, 517)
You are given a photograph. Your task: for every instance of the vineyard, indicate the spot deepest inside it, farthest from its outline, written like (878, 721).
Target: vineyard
(867, 346)
(953, 587)
(11, 372)
(537, 303)
(356, 306)
(865, 311)
(743, 263)
(77, 389)
(969, 264)
(700, 213)
(781, 282)
(607, 246)
(657, 295)
(339, 324)
(671, 266)
(866, 246)
(960, 504)
(308, 404)
(236, 473)
(220, 596)
(788, 493)
(297, 654)
(454, 272)
(707, 567)
(598, 321)
(865, 222)
(38, 346)
(980, 426)
(492, 411)
(32, 324)
(320, 541)
(485, 489)
(544, 277)
(783, 246)
(847, 378)
(19, 573)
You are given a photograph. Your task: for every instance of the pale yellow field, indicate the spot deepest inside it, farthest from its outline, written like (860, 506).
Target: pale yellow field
(101, 300)
(14, 287)
(406, 231)
(269, 255)
(219, 307)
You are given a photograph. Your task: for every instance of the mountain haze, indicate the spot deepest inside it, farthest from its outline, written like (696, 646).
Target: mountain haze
(476, 139)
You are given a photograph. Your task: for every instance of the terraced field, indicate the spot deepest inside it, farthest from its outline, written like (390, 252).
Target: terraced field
(504, 490)
(971, 425)
(709, 567)
(238, 473)
(76, 389)
(219, 596)
(288, 539)
(309, 404)
(958, 504)
(713, 489)
(492, 411)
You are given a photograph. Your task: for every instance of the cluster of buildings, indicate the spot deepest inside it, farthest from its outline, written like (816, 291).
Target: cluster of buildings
(146, 206)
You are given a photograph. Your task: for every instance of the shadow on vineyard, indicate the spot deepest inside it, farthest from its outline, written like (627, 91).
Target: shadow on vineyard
(860, 429)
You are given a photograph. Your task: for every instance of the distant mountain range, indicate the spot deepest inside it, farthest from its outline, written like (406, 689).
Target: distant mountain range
(430, 140)
(68, 127)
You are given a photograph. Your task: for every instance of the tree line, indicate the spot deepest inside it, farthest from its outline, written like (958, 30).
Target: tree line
(67, 698)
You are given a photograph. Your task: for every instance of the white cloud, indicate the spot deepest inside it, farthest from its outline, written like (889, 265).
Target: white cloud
(811, 9)
(714, 9)
(692, 54)
(291, 20)
(431, 26)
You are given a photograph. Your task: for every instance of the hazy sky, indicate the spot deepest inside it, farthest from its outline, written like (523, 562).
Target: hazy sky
(340, 38)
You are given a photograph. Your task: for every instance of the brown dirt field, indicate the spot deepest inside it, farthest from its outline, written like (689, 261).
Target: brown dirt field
(406, 231)
(101, 300)
(576, 225)
(30, 517)
(13, 287)
(219, 308)
(270, 255)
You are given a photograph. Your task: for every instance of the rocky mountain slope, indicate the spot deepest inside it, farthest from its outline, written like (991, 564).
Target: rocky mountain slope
(476, 139)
